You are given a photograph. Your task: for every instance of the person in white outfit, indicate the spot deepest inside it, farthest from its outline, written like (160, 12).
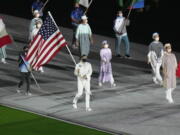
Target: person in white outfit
(155, 56)
(83, 71)
(38, 24)
(33, 22)
(169, 65)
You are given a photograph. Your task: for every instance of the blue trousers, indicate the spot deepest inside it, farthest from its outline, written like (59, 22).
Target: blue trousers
(118, 40)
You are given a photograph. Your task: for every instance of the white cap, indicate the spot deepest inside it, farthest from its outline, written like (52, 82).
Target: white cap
(35, 12)
(104, 42)
(155, 34)
(84, 17)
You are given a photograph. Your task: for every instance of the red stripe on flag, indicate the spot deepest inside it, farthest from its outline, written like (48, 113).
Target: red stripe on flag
(5, 40)
(35, 49)
(42, 62)
(48, 53)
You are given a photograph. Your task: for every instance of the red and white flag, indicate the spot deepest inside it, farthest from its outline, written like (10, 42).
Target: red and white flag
(45, 45)
(4, 37)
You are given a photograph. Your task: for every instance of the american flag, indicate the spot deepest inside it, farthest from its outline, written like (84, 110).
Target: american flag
(46, 44)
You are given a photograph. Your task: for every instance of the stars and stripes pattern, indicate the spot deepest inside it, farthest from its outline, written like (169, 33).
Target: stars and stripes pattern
(45, 45)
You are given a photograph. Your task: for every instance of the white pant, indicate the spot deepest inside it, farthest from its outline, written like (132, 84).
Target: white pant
(83, 84)
(156, 72)
(169, 95)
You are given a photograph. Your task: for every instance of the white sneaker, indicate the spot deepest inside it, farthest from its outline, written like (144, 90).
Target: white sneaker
(171, 101)
(3, 61)
(74, 105)
(113, 85)
(88, 109)
(29, 94)
(155, 81)
(18, 91)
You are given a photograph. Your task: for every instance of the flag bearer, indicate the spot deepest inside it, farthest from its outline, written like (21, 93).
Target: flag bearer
(25, 69)
(121, 34)
(32, 25)
(83, 71)
(76, 15)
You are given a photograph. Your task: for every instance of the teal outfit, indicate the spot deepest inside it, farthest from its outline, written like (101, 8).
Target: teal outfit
(3, 52)
(83, 35)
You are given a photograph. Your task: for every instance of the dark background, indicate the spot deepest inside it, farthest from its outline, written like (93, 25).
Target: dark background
(158, 16)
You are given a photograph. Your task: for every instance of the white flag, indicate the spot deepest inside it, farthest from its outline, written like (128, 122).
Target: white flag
(84, 3)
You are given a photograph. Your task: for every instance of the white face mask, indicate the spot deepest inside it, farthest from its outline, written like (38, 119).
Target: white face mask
(106, 46)
(38, 26)
(169, 50)
(156, 39)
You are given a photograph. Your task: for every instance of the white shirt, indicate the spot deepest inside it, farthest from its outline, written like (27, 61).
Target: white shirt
(83, 69)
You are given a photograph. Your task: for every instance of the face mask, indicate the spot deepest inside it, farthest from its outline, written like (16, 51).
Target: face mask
(106, 46)
(169, 50)
(157, 39)
(84, 60)
(39, 26)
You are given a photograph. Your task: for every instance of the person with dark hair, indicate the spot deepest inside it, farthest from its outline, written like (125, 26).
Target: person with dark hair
(121, 34)
(25, 70)
(106, 68)
(83, 71)
(169, 64)
(76, 15)
(155, 56)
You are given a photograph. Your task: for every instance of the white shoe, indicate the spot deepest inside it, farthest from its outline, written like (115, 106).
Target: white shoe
(74, 105)
(88, 109)
(155, 81)
(171, 101)
(113, 85)
(3, 61)
(100, 84)
(29, 94)
(18, 91)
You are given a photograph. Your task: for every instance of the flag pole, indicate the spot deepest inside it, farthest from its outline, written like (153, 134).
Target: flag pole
(31, 73)
(130, 9)
(44, 5)
(66, 45)
(88, 7)
(128, 15)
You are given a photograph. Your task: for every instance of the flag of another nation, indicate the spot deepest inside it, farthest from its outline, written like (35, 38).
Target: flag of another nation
(4, 37)
(45, 45)
(138, 4)
(84, 3)
(120, 3)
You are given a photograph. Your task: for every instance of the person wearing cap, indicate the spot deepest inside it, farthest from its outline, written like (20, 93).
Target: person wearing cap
(120, 24)
(155, 56)
(169, 64)
(37, 5)
(35, 30)
(106, 69)
(25, 70)
(32, 25)
(83, 71)
(76, 15)
(84, 36)
(33, 34)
